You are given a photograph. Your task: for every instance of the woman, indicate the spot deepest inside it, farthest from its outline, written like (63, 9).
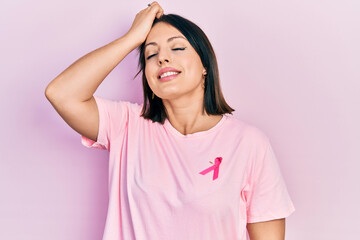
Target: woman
(181, 167)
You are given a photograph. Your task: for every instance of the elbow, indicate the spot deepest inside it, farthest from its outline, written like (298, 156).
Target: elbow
(51, 93)
(48, 92)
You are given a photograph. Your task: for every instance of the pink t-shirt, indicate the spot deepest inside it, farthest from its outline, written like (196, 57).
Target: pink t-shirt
(162, 185)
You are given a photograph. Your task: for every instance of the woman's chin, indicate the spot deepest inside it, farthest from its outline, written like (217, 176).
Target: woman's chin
(169, 94)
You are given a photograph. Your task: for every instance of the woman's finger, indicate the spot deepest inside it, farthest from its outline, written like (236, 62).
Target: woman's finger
(155, 6)
(159, 13)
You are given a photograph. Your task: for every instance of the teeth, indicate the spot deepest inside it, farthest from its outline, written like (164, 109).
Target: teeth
(168, 74)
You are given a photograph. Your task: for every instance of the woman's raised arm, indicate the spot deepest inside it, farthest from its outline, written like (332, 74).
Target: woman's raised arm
(71, 92)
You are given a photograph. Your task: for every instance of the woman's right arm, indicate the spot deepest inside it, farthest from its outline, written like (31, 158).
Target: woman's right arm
(71, 92)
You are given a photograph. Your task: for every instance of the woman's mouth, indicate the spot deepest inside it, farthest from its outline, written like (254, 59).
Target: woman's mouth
(168, 76)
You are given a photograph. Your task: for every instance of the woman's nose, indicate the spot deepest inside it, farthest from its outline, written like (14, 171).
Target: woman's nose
(161, 61)
(163, 57)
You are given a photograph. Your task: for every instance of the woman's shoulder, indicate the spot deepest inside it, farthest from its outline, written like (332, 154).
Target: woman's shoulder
(246, 129)
(108, 100)
(116, 107)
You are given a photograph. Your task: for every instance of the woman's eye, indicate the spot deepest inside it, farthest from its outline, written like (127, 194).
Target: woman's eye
(174, 49)
(150, 56)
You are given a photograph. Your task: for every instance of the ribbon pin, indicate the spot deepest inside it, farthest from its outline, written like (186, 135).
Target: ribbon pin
(215, 167)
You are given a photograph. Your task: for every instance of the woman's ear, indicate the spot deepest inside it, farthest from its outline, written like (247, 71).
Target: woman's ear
(204, 72)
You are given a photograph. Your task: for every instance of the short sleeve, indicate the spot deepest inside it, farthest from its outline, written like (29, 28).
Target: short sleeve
(266, 194)
(113, 117)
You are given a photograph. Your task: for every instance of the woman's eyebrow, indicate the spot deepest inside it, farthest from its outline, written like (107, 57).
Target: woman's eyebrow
(170, 39)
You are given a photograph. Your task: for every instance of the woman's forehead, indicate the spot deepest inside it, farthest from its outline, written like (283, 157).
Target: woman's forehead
(162, 32)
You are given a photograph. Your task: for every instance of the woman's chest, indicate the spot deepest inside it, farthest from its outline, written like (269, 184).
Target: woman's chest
(202, 177)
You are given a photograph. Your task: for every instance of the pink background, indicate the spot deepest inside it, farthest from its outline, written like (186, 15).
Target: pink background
(291, 68)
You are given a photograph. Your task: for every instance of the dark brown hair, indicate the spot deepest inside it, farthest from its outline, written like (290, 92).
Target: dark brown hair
(214, 102)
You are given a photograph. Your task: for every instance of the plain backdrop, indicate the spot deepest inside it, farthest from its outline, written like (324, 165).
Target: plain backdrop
(289, 67)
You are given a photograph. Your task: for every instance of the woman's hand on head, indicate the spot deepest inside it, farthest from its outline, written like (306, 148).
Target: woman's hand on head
(142, 23)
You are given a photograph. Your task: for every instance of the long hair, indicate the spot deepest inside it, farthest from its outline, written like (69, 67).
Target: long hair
(214, 102)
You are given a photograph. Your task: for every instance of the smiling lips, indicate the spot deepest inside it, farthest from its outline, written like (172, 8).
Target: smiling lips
(166, 74)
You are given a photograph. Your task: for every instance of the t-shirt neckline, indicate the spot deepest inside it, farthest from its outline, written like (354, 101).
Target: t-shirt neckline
(174, 131)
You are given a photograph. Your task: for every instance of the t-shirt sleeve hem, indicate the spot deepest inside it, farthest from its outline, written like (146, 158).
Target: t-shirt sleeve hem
(269, 217)
(91, 144)
(101, 141)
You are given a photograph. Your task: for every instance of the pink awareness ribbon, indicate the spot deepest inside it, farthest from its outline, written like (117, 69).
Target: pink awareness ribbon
(215, 167)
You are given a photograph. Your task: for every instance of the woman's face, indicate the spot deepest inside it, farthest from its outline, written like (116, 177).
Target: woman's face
(166, 47)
